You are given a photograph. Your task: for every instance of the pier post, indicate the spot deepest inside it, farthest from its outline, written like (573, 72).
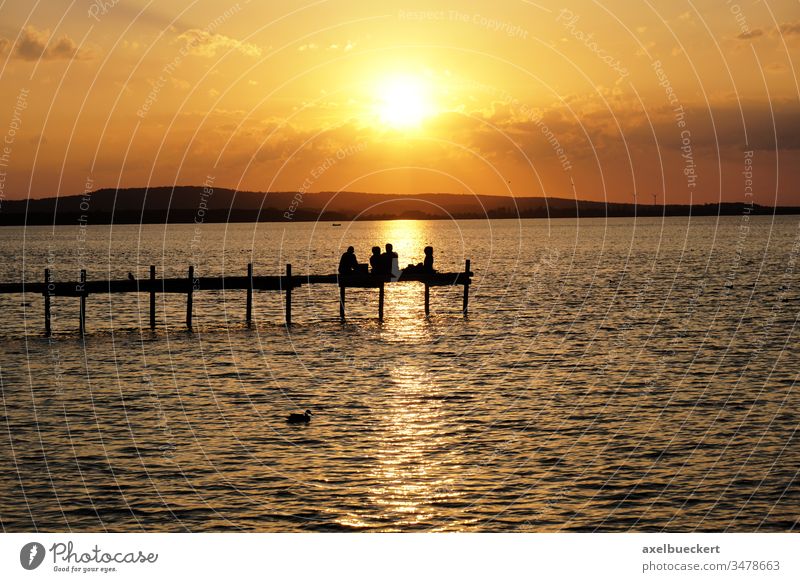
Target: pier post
(249, 312)
(152, 296)
(466, 288)
(189, 298)
(288, 294)
(341, 300)
(82, 315)
(47, 328)
(427, 300)
(380, 302)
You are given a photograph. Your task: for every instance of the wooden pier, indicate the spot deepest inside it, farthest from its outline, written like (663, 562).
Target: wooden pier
(191, 284)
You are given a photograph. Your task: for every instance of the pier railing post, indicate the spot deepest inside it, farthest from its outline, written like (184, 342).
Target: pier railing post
(249, 311)
(47, 328)
(82, 315)
(189, 298)
(288, 294)
(427, 300)
(152, 296)
(381, 294)
(466, 288)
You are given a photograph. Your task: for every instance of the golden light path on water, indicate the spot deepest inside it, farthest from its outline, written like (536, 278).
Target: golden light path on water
(411, 415)
(403, 471)
(408, 479)
(409, 476)
(407, 237)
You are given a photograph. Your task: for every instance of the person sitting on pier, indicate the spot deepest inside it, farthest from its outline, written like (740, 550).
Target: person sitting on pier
(391, 264)
(376, 262)
(427, 263)
(426, 266)
(348, 264)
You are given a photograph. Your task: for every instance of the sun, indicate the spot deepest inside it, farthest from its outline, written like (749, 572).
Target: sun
(403, 101)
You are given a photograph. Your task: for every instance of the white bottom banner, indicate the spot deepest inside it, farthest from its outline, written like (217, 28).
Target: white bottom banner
(400, 556)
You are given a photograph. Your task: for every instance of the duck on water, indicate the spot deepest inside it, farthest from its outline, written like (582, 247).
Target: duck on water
(297, 418)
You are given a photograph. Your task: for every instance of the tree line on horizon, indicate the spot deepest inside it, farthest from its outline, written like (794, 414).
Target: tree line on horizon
(190, 204)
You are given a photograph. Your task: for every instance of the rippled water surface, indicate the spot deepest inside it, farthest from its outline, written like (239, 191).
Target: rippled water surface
(612, 375)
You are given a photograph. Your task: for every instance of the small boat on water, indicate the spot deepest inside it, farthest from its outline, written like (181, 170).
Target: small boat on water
(336, 224)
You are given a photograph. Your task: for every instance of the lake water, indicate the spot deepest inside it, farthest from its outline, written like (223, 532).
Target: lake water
(612, 375)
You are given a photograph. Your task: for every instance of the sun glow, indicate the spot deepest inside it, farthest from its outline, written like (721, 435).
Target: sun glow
(403, 102)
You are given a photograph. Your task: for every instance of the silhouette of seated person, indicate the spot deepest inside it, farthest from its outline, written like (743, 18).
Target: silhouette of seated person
(376, 262)
(348, 264)
(427, 263)
(389, 262)
(426, 266)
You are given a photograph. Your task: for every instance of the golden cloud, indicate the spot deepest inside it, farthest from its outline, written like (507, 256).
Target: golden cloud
(35, 45)
(202, 43)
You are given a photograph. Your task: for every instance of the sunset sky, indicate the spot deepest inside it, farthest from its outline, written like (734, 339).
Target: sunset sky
(504, 97)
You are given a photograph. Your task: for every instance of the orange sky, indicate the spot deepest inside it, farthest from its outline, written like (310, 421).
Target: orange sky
(502, 97)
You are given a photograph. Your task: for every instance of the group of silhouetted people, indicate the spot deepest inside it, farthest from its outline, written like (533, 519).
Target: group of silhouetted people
(383, 264)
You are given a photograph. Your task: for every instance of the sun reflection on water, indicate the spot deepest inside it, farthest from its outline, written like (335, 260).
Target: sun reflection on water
(408, 239)
(405, 303)
(415, 465)
(405, 472)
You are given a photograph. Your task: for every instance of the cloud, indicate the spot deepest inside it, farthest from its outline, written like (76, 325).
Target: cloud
(748, 34)
(334, 46)
(35, 45)
(181, 84)
(347, 46)
(790, 28)
(783, 29)
(591, 128)
(206, 44)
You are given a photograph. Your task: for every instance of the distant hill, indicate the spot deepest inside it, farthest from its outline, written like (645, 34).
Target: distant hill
(186, 204)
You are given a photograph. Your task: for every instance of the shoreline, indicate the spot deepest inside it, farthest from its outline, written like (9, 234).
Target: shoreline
(78, 220)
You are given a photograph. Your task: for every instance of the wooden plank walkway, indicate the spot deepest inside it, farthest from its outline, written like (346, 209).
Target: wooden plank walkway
(191, 284)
